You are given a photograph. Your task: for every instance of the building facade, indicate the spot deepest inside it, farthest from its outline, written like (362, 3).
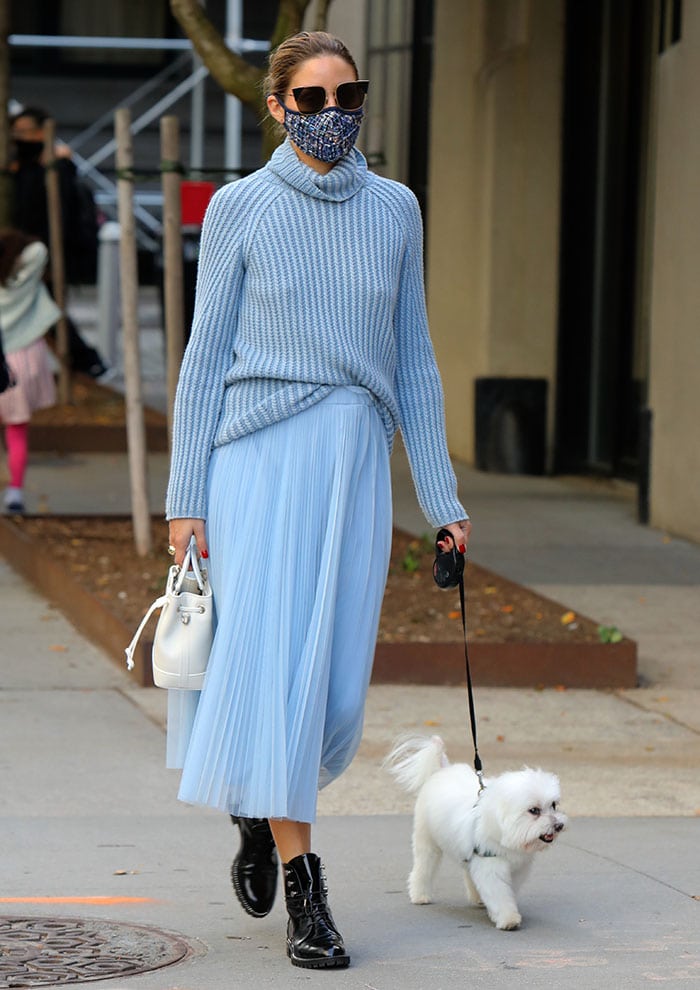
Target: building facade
(563, 236)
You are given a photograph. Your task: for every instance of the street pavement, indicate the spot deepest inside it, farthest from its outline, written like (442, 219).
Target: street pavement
(89, 812)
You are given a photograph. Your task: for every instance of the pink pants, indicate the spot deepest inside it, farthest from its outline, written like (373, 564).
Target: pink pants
(17, 442)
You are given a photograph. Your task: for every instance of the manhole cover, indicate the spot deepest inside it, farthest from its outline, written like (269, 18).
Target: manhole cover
(36, 952)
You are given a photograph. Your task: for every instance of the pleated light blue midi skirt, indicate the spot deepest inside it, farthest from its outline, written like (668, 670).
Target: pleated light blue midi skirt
(299, 533)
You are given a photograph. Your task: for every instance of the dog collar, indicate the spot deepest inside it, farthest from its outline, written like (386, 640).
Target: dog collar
(481, 853)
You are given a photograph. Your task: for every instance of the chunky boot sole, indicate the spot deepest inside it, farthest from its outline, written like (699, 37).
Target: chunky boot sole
(238, 891)
(238, 884)
(327, 962)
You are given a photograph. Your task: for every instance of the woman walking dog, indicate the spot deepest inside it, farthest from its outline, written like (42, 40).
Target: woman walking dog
(309, 349)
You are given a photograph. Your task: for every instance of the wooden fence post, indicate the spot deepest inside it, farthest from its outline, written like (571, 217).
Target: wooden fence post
(172, 257)
(135, 425)
(57, 259)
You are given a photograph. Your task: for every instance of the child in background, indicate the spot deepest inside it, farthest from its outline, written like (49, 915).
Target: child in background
(27, 311)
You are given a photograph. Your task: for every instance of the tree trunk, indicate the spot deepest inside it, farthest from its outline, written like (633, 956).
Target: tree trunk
(6, 181)
(135, 424)
(57, 261)
(234, 73)
(172, 261)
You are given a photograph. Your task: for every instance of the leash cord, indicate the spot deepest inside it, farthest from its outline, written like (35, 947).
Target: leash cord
(470, 693)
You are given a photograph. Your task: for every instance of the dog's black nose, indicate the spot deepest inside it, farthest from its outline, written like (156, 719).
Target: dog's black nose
(559, 827)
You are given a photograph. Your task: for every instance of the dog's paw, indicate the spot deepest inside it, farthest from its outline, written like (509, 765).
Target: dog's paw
(418, 898)
(509, 922)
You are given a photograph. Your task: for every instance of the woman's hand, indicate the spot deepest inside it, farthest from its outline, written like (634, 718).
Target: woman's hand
(460, 534)
(180, 532)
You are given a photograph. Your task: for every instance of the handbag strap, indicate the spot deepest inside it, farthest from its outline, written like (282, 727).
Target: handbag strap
(190, 563)
(158, 603)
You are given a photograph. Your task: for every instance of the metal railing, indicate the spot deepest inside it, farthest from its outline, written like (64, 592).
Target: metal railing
(148, 222)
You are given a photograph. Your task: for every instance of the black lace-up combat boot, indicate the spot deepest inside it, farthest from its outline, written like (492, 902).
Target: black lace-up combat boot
(313, 941)
(254, 870)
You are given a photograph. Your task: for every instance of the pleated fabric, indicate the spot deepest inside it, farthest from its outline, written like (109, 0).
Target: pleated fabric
(35, 388)
(299, 533)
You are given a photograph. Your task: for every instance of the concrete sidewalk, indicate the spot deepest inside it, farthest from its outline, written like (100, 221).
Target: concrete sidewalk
(89, 812)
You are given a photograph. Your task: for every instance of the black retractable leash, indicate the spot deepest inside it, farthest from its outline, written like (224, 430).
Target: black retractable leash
(448, 571)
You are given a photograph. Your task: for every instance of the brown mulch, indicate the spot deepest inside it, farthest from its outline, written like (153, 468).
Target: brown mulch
(98, 554)
(91, 404)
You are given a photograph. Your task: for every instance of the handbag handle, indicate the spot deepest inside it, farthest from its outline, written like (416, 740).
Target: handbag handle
(190, 562)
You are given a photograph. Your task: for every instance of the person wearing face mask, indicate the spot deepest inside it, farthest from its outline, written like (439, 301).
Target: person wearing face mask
(309, 350)
(30, 215)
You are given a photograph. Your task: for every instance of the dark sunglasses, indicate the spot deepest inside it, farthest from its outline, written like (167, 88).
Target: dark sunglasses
(348, 96)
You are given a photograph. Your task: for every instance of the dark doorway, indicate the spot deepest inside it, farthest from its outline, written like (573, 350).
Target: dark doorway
(601, 376)
(421, 79)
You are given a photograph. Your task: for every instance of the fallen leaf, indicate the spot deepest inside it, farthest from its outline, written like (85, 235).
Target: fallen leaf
(489, 590)
(507, 608)
(431, 721)
(560, 687)
(500, 738)
(567, 618)
(57, 648)
(454, 615)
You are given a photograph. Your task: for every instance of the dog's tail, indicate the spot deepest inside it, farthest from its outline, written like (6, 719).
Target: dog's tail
(414, 759)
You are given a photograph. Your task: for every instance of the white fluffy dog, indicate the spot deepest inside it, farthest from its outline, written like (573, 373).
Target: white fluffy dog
(492, 834)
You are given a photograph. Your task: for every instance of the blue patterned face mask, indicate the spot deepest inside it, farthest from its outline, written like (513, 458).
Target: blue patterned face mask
(326, 135)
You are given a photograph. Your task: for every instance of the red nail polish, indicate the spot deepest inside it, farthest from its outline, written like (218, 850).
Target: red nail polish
(462, 548)
(205, 554)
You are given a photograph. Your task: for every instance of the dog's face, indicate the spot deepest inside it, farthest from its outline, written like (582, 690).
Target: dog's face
(520, 810)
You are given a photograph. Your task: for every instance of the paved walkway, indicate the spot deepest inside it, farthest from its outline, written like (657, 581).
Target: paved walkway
(88, 810)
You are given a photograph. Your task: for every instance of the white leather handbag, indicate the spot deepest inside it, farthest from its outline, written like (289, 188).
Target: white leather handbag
(183, 636)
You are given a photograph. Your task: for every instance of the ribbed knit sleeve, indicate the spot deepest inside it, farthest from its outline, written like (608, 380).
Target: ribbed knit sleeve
(418, 385)
(209, 354)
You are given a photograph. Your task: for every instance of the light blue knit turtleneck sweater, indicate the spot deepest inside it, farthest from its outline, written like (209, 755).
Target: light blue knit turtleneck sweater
(306, 282)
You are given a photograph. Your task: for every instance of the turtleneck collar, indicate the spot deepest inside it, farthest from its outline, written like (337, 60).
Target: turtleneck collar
(343, 181)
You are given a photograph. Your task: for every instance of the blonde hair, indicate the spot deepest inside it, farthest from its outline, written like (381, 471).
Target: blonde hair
(299, 48)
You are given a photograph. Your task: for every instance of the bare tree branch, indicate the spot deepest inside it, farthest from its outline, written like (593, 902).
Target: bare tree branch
(233, 73)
